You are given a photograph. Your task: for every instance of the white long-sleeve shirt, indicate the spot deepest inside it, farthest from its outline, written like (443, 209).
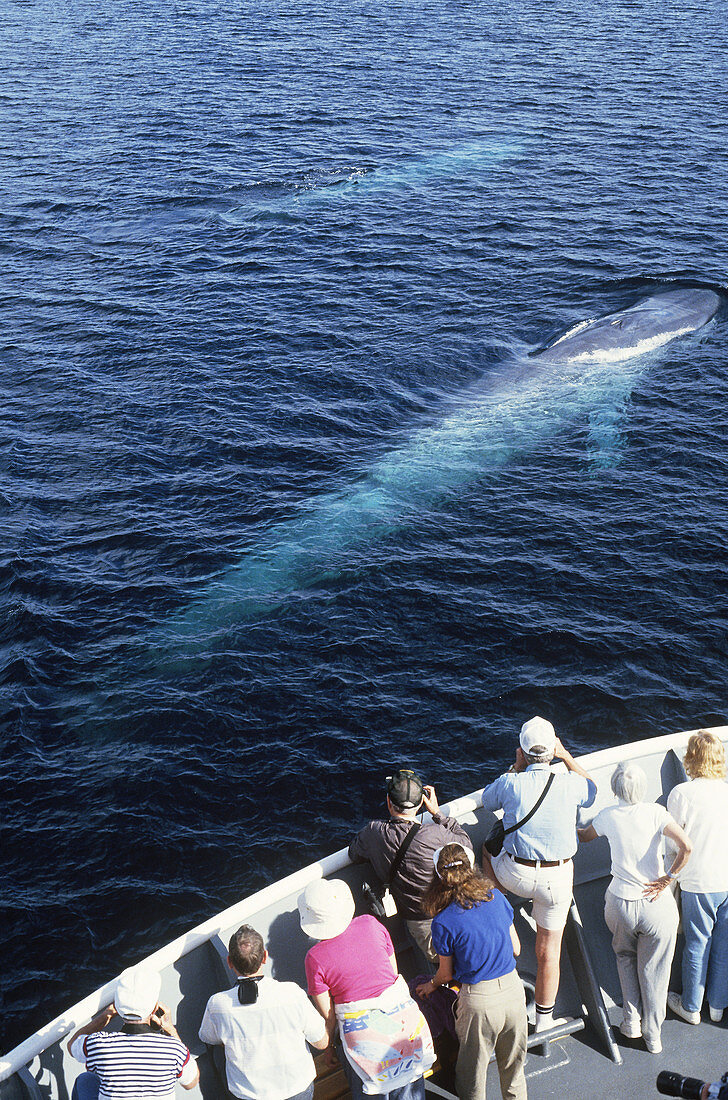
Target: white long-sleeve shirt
(701, 808)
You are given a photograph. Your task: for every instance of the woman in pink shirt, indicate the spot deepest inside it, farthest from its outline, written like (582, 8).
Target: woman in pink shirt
(352, 977)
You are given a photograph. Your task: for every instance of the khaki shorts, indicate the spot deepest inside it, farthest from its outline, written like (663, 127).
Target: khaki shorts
(550, 888)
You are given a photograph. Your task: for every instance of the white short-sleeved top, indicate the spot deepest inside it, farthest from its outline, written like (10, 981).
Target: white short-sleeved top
(266, 1054)
(635, 840)
(700, 807)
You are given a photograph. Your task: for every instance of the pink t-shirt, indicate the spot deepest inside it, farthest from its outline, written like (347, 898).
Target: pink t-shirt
(354, 965)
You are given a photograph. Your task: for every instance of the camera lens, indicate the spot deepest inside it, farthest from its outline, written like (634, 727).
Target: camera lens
(674, 1084)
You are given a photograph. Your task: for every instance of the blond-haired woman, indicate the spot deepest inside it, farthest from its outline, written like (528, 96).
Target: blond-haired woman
(473, 934)
(700, 806)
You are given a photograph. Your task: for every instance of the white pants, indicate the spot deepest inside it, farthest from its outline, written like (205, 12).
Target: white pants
(643, 938)
(550, 888)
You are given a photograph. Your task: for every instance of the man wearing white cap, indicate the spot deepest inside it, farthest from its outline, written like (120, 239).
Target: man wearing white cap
(536, 858)
(142, 1061)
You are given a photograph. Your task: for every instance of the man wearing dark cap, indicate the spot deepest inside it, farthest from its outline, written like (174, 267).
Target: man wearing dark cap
(379, 843)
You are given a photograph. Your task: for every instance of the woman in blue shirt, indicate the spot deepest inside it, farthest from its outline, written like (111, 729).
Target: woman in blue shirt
(473, 934)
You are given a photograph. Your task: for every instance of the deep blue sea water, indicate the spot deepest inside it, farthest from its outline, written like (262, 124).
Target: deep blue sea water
(251, 253)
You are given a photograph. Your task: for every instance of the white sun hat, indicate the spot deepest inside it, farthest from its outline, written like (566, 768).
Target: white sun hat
(326, 908)
(137, 992)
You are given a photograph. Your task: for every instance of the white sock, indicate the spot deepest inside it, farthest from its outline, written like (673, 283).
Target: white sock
(544, 1017)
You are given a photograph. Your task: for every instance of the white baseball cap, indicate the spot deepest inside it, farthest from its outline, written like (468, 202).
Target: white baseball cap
(538, 737)
(457, 859)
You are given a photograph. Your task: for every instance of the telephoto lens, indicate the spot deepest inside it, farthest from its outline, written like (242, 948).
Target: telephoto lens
(674, 1084)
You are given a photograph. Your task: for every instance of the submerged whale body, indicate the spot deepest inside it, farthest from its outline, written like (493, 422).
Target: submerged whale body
(589, 371)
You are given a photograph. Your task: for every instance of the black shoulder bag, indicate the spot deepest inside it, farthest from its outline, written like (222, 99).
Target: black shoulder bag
(380, 901)
(494, 840)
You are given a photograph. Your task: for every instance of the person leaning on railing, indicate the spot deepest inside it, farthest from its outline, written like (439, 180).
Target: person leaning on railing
(146, 1058)
(700, 806)
(265, 1027)
(473, 933)
(354, 982)
(639, 907)
(536, 859)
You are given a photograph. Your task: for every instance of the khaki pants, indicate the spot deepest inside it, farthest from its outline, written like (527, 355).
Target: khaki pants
(421, 933)
(491, 1016)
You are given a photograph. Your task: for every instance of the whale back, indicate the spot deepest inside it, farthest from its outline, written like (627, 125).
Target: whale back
(649, 324)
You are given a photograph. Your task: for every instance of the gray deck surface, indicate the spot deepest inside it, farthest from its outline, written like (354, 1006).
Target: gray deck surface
(575, 1069)
(577, 1066)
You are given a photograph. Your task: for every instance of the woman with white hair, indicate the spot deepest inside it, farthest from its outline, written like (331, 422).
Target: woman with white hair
(473, 934)
(639, 908)
(701, 807)
(354, 982)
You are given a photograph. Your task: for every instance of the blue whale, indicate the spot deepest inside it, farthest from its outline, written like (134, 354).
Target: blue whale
(644, 327)
(589, 371)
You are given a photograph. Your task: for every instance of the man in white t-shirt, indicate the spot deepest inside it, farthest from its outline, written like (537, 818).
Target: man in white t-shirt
(264, 1027)
(142, 1061)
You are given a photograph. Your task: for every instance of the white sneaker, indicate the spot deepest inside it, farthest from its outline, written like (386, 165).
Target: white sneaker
(654, 1046)
(632, 1031)
(716, 1014)
(675, 1004)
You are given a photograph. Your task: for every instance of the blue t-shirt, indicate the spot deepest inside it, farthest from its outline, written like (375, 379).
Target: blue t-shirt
(478, 939)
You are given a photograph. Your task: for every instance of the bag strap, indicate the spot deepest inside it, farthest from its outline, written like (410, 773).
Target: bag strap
(531, 812)
(401, 853)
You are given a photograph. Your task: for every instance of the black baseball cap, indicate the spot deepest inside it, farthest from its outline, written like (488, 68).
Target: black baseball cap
(405, 789)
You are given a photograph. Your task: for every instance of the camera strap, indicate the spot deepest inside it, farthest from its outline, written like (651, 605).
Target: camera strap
(248, 989)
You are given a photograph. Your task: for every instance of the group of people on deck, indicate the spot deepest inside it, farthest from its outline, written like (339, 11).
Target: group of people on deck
(461, 921)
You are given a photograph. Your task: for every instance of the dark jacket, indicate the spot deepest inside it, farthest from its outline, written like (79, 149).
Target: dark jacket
(378, 842)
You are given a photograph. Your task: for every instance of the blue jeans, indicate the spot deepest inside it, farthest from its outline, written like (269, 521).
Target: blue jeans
(86, 1087)
(705, 958)
(415, 1091)
(307, 1094)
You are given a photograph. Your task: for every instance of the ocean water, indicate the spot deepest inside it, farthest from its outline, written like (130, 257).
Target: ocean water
(258, 262)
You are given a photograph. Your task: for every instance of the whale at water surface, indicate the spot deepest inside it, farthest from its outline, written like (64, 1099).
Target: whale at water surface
(644, 327)
(588, 372)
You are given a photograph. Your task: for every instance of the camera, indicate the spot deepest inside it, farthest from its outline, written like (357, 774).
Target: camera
(674, 1084)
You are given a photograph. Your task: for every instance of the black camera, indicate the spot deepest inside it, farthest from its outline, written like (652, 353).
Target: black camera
(674, 1084)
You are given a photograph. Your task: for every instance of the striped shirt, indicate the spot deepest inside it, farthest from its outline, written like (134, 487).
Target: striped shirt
(135, 1067)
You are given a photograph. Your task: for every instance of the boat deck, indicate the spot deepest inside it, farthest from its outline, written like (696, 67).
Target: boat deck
(583, 1056)
(577, 1062)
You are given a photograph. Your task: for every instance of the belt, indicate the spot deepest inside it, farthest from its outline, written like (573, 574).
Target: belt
(539, 862)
